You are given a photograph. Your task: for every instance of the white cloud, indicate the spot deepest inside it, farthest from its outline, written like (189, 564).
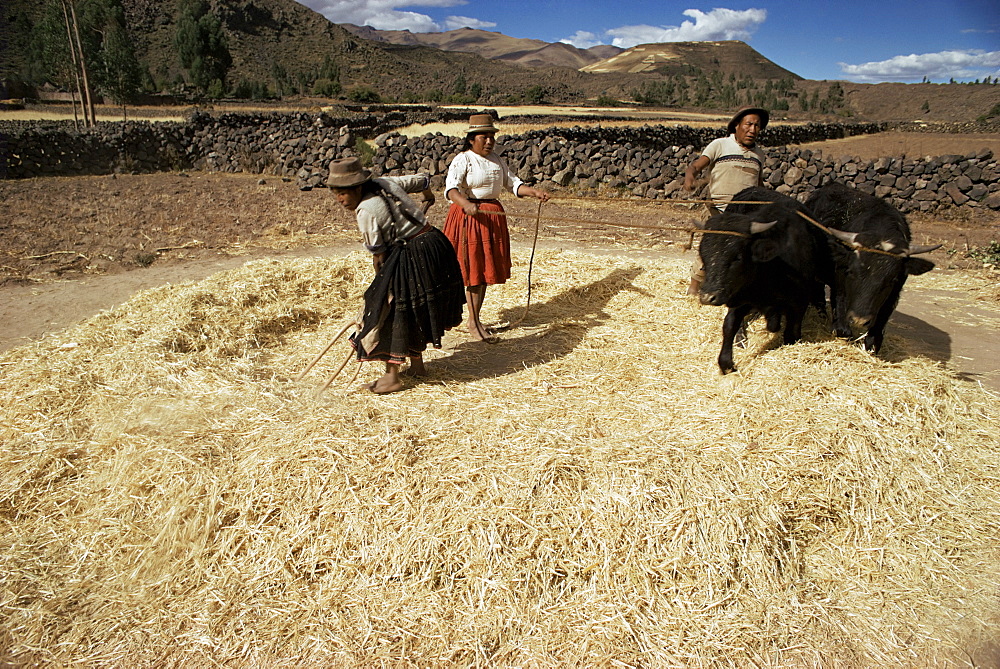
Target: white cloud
(384, 14)
(967, 64)
(718, 24)
(456, 22)
(582, 39)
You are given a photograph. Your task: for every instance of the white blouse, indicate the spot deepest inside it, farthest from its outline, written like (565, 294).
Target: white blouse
(480, 178)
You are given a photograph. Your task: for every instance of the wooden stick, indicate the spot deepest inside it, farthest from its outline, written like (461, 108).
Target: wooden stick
(187, 245)
(55, 253)
(324, 351)
(356, 370)
(342, 365)
(531, 262)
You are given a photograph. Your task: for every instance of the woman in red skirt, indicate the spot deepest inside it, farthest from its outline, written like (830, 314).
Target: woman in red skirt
(476, 223)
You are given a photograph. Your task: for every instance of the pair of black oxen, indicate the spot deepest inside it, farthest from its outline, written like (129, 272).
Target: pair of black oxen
(768, 259)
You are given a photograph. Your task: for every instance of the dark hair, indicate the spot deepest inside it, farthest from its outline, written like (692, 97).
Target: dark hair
(467, 144)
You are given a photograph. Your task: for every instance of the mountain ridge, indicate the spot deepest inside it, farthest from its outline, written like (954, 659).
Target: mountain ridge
(493, 45)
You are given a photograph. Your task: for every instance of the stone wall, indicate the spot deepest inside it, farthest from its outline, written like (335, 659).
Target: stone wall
(647, 161)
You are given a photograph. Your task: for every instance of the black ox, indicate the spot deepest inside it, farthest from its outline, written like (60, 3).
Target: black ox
(873, 258)
(763, 258)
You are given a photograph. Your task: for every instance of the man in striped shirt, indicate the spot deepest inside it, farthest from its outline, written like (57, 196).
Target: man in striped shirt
(735, 162)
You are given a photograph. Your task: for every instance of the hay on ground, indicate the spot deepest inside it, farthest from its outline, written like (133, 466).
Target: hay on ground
(588, 490)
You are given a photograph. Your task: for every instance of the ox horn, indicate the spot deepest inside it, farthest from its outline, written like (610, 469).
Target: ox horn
(849, 237)
(914, 250)
(757, 227)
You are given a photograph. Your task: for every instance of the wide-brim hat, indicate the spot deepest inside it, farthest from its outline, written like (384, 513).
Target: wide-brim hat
(762, 113)
(480, 123)
(347, 173)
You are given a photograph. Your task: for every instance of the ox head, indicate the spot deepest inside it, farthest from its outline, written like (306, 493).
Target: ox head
(875, 272)
(730, 249)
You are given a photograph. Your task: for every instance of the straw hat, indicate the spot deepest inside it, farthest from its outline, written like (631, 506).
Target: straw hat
(762, 113)
(480, 123)
(347, 173)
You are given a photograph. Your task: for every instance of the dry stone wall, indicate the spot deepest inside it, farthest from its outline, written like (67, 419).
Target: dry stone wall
(647, 161)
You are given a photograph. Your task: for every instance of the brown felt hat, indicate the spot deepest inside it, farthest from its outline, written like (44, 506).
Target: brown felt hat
(480, 123)
(347, 173)
(762, 113)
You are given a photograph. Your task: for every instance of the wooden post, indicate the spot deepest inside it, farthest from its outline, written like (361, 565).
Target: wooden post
(76, 69)
(83, 64)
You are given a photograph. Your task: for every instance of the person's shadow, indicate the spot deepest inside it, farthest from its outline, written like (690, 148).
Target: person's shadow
(549, 330)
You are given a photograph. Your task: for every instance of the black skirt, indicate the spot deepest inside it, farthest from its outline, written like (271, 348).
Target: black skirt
(416, 296)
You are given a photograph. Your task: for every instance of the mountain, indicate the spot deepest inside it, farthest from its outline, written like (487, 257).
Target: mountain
(669, 59)
(683, 58)
(467, 40)
(558, 55)
(270, 37)
(527, 52)
(283, 45)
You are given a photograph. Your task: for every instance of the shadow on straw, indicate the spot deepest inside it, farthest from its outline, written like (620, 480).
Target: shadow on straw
(551, 329)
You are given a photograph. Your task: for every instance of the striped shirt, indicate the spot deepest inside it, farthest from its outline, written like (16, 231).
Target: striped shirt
(733, 168)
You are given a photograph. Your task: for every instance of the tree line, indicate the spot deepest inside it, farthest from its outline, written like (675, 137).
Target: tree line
(83, 46)
(86, 46)
(716, 91)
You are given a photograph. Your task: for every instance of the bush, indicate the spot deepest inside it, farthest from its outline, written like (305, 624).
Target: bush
(535, 95)
(365, 151)
(988, 255)
(993, 113)
(251, 90)
(364, 94)
(216, 89)
(326, 88)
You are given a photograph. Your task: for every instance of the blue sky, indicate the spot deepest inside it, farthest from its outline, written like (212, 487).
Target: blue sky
(865, 41)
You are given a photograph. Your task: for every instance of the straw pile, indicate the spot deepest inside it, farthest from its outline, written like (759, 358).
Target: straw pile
(587, 491)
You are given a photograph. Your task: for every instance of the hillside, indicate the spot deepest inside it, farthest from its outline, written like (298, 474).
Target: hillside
(528, 52)
(467, 40)
(558, 54)
(683, 58)
(268, 36)
(279, 43)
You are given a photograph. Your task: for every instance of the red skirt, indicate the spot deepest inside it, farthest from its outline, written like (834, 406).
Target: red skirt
(482, 243)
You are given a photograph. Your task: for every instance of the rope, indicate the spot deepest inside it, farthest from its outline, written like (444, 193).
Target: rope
(662, 228)
(692, 230)
(849, 245)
